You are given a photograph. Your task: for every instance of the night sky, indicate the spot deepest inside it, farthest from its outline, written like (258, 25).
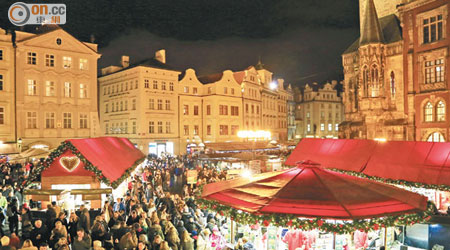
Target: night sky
(299, 40)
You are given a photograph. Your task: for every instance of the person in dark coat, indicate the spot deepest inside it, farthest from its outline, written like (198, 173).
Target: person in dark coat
(50, 216)
(72, 226)
(82, 241)
(134, 218)
(39, 234)
(84, 221)
(13, 217)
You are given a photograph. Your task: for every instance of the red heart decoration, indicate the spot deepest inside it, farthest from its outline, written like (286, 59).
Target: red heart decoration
(70, 163)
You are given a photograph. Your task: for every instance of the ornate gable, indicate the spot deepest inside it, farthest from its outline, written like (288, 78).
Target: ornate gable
(59, 40)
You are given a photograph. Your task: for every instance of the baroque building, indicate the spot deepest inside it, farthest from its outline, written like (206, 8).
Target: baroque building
(48, 88)
(319, 111)
(161, 109)
(140, 101)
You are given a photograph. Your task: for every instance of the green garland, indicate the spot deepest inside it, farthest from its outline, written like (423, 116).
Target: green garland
(66, 145)
(392, 181)
(288, 220)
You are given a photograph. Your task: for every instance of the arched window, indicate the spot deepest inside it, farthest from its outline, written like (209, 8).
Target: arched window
(374, 85)
(436, 137)
(440, 111)
(428, 112)
(366, 79)
(392, 85)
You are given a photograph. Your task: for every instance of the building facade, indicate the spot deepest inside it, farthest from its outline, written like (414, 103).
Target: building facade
(140, 102)
(49, 88)
(395, 76)
(161, 110)
(319, 111)
(7, 90)
(426, 41)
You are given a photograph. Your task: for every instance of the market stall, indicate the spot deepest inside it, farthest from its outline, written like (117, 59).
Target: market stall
(87, 168)
(421, 167)
(327, 201)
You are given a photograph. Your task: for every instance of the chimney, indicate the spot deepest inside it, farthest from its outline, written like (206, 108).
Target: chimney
(125, 61)
(280, 83)
(160, 55)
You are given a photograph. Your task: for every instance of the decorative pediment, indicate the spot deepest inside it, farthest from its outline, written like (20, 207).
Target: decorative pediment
(59, 40)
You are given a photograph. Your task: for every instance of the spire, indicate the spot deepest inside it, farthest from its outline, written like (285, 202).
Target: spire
(259, 65)
(370, 29)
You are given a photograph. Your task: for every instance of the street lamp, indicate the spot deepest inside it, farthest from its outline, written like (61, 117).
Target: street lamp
(273, 85)
(19, 144)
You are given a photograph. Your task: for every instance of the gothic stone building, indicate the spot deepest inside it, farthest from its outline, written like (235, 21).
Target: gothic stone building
(395, 82)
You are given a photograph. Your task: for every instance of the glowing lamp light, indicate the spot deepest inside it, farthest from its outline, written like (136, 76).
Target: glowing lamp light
(259, 134)
(1, 142)
(246, 173)
(380, 139)
(273, 85)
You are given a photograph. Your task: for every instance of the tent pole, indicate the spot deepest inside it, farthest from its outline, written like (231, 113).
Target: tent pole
(232, 232)
(334, 241)
(385, 237)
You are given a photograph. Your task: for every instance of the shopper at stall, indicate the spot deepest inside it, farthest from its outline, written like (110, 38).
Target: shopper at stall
(360, 240)
(295, 238)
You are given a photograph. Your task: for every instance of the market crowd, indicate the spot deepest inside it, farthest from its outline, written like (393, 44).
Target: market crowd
(158, 212)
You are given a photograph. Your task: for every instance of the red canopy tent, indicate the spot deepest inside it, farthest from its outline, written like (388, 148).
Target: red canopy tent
(344, 154)
(420, 162)
(88, 161)
(311, 191)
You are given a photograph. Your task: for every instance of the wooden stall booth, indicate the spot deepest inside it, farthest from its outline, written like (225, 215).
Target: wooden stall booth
(85, 168)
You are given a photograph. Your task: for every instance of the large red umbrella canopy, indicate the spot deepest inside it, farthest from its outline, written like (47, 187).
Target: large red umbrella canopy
(311, 191)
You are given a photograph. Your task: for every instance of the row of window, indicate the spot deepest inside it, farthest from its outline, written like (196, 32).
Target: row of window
(120, 106)
(252, 109)
(159, 104)
(324, 96)
(223, 130)
(67, 62)
(429, 112)
(50, 89)
(117, 88)
(253, 93)
(155, 85)
(281, 108)
(159, 129)
(223, 110)
(50, 118)
(120, 128)
(269, 104)
(322, 127)
(322, 115)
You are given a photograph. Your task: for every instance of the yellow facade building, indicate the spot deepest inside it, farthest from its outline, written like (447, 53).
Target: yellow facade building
(49, 91)
(176, 113)
(319, 111)
(140, 102)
